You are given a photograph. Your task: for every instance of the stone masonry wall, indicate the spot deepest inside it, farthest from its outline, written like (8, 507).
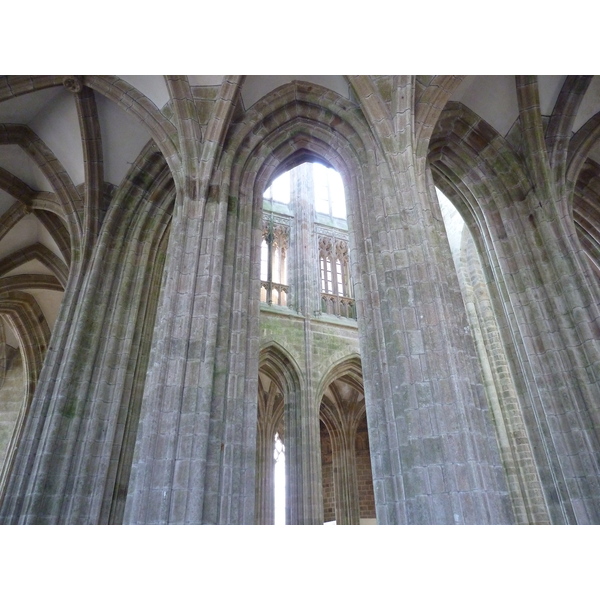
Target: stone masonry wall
(327, 475)
(333, 338)
(364, 473)
(333, 341)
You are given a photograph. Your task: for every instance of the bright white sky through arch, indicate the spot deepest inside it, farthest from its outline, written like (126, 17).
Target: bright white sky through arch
(279, 190)
(328, 188)
(329, 191)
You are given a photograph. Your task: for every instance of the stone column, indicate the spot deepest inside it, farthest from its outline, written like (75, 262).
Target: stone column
(556, 312)
(517, 455)
(170, 460)
(552, 296)
(434, 451)
(303, 459)
(64, 468)
(498, 372)
(345, 481)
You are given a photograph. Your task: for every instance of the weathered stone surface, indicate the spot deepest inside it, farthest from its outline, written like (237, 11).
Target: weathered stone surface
(142, 380)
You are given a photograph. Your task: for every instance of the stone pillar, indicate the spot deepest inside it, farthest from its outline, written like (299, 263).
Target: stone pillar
(64, 470)
(434, 452)
(555, 304)
(518, 458)
(303, 459)
(304, 258)
(11, 395)
(170, 460)
(347, 508)
(543, 289)
(304, 504)
(517, 455)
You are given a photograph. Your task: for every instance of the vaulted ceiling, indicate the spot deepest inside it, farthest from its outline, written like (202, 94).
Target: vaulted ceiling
(43, 138)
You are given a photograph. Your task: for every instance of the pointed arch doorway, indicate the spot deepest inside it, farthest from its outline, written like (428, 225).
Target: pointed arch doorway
(348, 497)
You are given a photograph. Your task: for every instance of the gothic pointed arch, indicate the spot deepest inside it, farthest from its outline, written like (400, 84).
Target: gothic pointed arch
(479, 156)
(349, 367)
(290, 123)
(295, 121)
(132, 101)
(28, 323)
(345, 449)
(580, 146)
(279, 385)
(560, 126)
(121, 295)
(479, 172)
(506, 208)
(38, 252)
(431, 96)
(586, 211)
(278, 363)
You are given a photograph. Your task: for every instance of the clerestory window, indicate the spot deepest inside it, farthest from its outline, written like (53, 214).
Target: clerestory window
(336, 291)
(273, 263)
(305, 208)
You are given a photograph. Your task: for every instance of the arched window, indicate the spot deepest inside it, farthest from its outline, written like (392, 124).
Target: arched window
(273, 263)
(336, 292)
(305, 208)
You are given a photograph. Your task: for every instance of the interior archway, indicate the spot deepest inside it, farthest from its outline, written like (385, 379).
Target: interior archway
(278, 384)
(348, 497)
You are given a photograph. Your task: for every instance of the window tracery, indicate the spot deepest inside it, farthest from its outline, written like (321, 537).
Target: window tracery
(307, 203)
(334, 263)
(273, 263)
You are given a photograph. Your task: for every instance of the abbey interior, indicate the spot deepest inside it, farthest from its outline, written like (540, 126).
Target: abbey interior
(303, 300)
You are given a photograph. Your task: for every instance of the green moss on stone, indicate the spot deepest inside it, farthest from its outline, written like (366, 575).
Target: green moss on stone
(68, 409)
